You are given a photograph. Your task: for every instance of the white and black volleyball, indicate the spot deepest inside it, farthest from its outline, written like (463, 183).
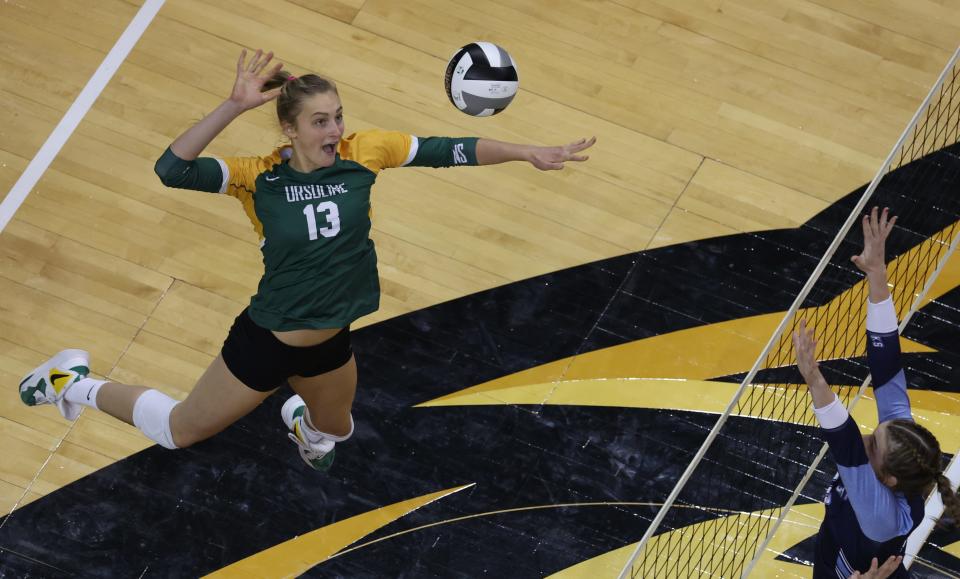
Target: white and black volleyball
(481, 79)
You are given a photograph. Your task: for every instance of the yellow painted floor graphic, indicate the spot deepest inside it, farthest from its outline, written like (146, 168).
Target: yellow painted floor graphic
(293, 557)
(935, 410)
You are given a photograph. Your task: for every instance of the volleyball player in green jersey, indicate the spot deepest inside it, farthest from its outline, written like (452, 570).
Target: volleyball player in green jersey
(309, 202)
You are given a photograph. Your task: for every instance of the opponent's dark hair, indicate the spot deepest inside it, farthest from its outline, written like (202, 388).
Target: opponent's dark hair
(294, 90)
(914, 458)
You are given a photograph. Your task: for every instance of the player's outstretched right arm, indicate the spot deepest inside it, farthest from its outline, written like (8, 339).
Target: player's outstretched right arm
(177, 167)
(883, 339)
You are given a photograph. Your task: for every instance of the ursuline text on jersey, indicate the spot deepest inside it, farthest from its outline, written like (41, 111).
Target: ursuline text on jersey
(297, 193)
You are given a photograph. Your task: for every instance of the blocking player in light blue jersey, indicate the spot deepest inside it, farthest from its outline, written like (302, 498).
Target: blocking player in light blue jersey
(877, 497)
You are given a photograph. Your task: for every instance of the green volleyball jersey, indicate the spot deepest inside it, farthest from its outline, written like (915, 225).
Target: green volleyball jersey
(320, 266)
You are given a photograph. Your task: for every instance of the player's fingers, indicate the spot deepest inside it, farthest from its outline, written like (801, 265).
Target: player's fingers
(274, 70)
(891, 563)
(265, 62)
(270, 95)
(243, 56)
(577, 146)
(252, 65)
(874, 222)
(867, 230)
(585, 143)
(890, 225)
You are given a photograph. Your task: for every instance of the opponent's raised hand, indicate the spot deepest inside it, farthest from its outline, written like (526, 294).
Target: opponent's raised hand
(805, 346)
(553, 158)
(877, 225)
(251, 76)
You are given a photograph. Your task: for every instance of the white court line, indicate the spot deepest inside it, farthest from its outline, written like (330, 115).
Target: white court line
(38, 165)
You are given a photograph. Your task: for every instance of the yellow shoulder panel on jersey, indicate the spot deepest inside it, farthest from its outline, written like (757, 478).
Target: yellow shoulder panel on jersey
(377, 150)
(242, 177)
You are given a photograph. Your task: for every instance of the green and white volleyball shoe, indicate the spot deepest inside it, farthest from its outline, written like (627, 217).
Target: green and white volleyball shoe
(319, 455)
(48, 382)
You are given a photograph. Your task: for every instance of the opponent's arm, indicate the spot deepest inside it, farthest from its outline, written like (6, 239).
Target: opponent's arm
(880, 513)
(883, 339)
(872, 260)
(806, 346)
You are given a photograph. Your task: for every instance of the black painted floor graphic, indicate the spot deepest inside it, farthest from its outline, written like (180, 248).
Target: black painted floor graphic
(161, 513)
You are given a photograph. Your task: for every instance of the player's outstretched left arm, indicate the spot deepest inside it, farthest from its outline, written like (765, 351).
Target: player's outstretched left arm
(806, 346)
(883, 341)
(490, 152)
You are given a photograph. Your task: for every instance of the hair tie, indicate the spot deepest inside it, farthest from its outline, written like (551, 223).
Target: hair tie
(291, 77)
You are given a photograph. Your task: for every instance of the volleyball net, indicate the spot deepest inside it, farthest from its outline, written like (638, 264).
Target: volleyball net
(749, 465)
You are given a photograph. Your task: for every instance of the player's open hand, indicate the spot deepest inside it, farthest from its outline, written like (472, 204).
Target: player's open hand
(553, 158)
(251, 76)
(884, 571)
(806, 348)
(876, 227)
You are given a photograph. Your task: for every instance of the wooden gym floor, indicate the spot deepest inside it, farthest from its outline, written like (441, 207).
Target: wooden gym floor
(713, 118)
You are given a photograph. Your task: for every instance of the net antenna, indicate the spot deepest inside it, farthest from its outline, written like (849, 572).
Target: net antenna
(734, 545)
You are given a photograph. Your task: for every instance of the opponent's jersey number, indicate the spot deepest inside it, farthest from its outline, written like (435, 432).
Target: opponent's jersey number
(330, 213)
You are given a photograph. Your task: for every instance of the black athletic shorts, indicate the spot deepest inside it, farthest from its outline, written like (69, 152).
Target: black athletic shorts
(261, 361)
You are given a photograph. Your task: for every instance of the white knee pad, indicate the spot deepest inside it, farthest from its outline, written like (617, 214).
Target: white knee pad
(151, 414)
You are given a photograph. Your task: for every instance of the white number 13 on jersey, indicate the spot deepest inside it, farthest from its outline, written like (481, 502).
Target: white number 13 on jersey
(332, 216)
